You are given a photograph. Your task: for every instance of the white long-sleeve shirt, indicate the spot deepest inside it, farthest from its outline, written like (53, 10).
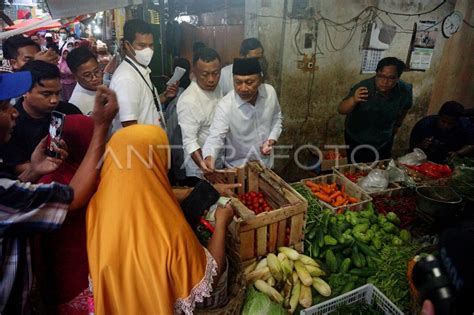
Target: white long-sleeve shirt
(243, 127)
(195, 110)
(226, 80)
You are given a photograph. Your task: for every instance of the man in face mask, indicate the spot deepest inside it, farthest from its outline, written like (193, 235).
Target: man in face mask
(139, 101)
(62, 38)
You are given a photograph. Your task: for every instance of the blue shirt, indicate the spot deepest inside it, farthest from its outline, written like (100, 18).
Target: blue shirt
(443, 141)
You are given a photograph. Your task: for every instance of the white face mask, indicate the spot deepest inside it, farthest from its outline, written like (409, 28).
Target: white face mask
(144, 56)
(63, 36)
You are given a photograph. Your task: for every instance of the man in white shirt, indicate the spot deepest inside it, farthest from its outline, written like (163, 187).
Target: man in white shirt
(139, 101)
(196, 107)
(249, 48)
(247, 121)
(86, 70)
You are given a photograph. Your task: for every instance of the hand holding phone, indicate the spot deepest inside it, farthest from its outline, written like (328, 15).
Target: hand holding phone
(361, 94)
(56, 126)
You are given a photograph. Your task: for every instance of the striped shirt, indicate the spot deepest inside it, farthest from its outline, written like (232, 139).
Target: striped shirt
(25, 209)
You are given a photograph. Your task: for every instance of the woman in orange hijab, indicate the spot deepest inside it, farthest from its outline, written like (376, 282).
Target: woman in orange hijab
(144, 258)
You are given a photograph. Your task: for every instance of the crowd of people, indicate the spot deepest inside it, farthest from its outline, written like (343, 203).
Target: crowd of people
(118, 241)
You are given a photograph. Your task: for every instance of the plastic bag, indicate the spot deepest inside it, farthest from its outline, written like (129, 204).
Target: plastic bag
(377, 180)
(414, 158)
(394, 173)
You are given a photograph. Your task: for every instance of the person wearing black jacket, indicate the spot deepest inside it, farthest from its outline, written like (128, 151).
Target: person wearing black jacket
(35, 114)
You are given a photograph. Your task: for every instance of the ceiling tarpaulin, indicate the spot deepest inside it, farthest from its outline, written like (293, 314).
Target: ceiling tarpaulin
(67, 8)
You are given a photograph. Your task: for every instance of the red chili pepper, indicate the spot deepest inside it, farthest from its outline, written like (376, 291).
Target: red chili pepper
(207, 225)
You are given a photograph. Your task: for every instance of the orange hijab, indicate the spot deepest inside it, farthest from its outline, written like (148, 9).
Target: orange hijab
(143, 256)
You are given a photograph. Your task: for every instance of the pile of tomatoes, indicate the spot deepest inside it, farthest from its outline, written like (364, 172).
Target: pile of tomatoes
(255, 202)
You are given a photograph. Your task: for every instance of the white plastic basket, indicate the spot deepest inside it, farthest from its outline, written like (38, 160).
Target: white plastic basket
(368, 293)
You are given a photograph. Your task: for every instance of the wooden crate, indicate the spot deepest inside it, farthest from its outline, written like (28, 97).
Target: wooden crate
(351, 189)
(326, 164)
(382, 164)
(265, 232)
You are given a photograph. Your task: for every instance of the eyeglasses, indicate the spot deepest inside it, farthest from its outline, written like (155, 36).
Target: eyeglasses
(382, 77)
(89, 76)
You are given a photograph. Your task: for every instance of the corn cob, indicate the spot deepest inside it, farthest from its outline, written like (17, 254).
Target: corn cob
(263, 287)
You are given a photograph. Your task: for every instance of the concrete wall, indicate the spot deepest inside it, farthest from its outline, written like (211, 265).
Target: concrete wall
(309, 102)
(456, 65)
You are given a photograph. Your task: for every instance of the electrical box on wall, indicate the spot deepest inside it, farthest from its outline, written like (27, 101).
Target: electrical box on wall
(299, 7)
(308, 63)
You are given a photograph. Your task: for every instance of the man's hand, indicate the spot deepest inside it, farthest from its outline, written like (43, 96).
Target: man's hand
(208, 165)
(41, 164)
(267, 147)
(49, 56)
(105, 106)
(224, 215)
(226, 189)
(172, 90)
(361, 94)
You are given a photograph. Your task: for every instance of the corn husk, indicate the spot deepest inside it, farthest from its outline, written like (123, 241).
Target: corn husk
(306, 298)
(303, 274)
(275, 267)
(250, 268)
(308, 260)
(314, 271)
(258, 274)
(295, 296)
(263, 287)
(289, 252)
(261, 264)
(321, 286)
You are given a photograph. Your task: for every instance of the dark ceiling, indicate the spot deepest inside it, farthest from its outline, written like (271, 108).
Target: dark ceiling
(196, 7)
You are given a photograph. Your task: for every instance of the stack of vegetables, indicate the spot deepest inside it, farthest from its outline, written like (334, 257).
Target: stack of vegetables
(404, 206)
(331, 193)
(355, 176)
(255, 201)
(288, 278)
(351, 244)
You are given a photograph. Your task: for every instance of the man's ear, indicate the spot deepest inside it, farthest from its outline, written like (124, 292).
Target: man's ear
(13, 63)
(128, 48)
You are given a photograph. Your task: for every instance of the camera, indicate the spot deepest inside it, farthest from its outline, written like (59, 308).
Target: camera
(446, 278)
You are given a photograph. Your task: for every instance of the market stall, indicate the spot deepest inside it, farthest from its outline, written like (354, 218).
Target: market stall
(359, 242)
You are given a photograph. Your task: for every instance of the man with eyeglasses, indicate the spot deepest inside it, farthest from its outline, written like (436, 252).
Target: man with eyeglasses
(375, 109)
(88, 74)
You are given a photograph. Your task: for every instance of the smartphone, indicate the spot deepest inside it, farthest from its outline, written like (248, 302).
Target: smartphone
(56, 126)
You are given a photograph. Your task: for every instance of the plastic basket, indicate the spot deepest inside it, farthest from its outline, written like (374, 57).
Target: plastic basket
(368, 293)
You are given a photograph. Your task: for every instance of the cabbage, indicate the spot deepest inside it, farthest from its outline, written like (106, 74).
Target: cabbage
(259, 303)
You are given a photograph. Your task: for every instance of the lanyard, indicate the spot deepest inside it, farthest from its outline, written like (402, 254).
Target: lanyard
(152, 89)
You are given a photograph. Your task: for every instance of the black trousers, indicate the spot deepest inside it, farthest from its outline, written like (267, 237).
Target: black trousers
(364, 154)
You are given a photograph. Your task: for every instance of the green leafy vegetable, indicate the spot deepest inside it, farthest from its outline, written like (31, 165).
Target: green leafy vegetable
(259, 303)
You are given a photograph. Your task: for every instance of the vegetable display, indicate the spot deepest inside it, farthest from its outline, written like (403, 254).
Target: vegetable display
(391, 277)
(331, 193)
(259, 303)
(288, 279)
(355, 176)
(403, 206)
(349, 245)
(462, 181)
(255, 202)
(432, 170)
